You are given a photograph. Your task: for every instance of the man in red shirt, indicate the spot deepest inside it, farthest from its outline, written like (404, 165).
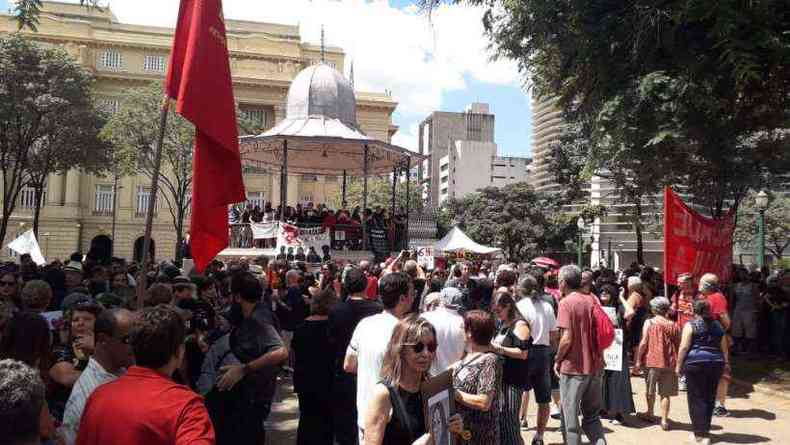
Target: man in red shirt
(146, 407)
(372, 289)
(578, 364)
(709, 290)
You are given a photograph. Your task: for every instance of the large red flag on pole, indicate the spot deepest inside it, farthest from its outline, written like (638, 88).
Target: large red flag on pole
(198, 78)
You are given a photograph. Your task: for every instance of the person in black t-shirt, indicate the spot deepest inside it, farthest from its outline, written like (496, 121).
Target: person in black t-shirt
(343, 319)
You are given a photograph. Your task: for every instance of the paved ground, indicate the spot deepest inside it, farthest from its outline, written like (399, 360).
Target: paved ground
(755, 419)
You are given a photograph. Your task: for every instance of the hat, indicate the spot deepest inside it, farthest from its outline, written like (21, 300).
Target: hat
(182, 280)
(452, 298)
(76, 298)
(660, 305)
(73, 266)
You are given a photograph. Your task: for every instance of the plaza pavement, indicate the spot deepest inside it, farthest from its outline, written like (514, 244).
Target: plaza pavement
(755, 418)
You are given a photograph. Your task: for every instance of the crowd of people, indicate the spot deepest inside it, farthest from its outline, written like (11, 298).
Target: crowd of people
(201, 360)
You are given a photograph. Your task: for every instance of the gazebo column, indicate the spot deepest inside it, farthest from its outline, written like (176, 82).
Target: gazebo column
(392, 211)
(365, 198)
(284, 182)
(344, 203)
(408, 199)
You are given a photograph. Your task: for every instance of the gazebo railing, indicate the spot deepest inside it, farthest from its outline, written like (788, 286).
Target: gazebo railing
(342, 236)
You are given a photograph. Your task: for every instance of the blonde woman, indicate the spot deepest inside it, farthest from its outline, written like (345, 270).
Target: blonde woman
(395, 415)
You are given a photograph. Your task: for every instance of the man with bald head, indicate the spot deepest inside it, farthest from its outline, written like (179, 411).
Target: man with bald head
(109, 361)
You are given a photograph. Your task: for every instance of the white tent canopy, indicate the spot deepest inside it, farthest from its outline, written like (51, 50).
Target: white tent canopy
(456, 240)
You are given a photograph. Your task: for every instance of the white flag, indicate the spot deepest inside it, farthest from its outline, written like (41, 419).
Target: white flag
(26, 243)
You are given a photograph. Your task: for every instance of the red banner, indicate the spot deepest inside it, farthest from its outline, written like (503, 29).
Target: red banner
(694, 243)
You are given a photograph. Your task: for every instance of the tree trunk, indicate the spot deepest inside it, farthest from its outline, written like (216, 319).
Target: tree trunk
(640, 248)
(179, 236)
(39, 189)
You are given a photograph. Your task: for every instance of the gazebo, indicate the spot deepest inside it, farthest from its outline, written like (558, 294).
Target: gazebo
(320, 136)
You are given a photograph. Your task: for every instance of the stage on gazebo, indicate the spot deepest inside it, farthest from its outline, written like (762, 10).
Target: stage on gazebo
(320, 136)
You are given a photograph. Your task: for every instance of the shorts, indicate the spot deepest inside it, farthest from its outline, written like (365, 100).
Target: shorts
(744, 324)
(665, 380)
(539, 372)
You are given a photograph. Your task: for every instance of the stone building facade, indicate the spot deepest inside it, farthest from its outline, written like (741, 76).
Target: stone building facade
(265, 57)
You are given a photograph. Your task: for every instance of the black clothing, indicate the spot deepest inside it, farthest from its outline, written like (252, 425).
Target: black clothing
(343, 319)
(313, 376)
(296, 312)
(514, 371)
(407, 423)
(617, 391)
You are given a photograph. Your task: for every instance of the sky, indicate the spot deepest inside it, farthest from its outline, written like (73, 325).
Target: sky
(436, 64)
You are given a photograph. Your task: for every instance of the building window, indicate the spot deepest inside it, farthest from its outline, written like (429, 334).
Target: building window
(143, 200)
(156, 64)
(111, 59)
(309, 178)
(444, 179)
(27, 197)
(260, 117)
(109, 105)
(444, 167)
(255, 199)
(307, 198)
(330, 178)
(104, 199)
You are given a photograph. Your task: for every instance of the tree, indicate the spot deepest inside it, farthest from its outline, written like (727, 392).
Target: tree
(48, 122)
(715, 73)
(133, 130)
(777, 224)
(379, 194)
(26, 12)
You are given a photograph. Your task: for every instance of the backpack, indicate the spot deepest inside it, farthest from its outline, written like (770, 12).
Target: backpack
(603, 328)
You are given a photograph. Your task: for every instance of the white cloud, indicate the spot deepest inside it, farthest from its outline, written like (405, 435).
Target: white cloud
(398, 50)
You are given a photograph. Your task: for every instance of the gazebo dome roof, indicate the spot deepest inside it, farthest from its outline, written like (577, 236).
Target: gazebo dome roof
(321, 91)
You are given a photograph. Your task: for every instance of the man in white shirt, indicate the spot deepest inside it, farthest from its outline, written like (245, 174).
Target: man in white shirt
(110, 359)
(539, 314)
(449, 327)
(365, 353)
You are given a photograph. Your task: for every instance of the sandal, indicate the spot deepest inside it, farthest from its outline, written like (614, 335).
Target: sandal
(665, 426)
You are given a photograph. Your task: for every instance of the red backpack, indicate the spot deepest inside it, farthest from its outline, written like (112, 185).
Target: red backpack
(603, 328)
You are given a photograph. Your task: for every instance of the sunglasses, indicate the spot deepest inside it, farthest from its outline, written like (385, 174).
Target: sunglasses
(420, 346)
(8, 283)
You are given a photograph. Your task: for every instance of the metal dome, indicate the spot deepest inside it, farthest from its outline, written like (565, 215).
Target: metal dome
(321, 91)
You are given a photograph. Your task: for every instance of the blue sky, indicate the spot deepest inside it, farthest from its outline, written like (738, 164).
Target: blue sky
(441, 64)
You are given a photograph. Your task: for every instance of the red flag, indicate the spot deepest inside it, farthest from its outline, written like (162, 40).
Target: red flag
(198, 78)
(694, 243)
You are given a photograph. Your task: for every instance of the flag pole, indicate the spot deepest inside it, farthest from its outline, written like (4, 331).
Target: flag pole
(149, 217)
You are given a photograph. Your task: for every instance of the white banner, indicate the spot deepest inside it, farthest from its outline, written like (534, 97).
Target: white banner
(264, 230)
(26, 243)
(425, 257)
(292, 236)
(613, 355)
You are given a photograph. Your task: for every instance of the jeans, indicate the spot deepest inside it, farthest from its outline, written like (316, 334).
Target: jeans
(702, 379)
(581, 393)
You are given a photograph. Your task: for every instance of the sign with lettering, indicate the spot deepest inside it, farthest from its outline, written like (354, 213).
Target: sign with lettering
(379, 243)
(613, 355)
(425, 257)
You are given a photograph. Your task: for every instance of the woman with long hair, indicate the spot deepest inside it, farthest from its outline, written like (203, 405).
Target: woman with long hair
(395, 415)
(477, 379)
(512, 344)
(703, 358)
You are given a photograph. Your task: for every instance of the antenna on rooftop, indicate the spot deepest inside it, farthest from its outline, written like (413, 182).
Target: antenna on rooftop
(323, 48)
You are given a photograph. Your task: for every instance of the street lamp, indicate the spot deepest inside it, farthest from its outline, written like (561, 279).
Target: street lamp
(580, 225)
(761, 201)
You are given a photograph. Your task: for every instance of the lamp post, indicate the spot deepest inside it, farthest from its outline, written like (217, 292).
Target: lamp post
(580, 225)
(761, 201)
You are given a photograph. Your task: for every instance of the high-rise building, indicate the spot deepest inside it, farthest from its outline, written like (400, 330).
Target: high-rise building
(264, 57)
(463, 155)
(546, 128)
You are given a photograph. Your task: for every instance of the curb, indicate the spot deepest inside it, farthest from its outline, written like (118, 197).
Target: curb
(762, 389)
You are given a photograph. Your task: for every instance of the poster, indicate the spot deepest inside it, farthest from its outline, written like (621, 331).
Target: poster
(613, 355)
(425, 257)
(27, 244)
(379, 243)
(439, 406)
(293, 237)
(694, 243)
(266, 230)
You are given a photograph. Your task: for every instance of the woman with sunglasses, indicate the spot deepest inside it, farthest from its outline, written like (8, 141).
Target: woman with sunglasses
(9, 289)
(477, 379)
(512, 344)
(395, 415)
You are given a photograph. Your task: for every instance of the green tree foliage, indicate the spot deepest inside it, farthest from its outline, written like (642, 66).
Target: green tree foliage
(48, 123)
(777, 224)
(133, 131)
(702, 87)
(379, 194)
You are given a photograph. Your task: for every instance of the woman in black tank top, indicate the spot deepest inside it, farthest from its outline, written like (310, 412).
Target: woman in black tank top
(395, 415)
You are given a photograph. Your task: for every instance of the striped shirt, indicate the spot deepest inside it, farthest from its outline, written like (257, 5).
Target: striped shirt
(91, 378)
